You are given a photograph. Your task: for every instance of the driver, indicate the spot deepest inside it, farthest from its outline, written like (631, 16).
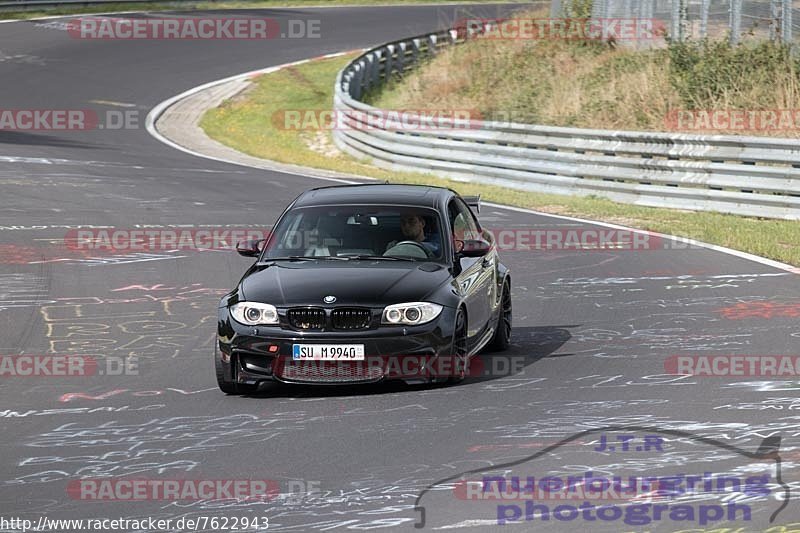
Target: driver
(413, 229)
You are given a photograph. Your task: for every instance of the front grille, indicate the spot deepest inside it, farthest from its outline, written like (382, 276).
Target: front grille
(306, 318)
(351, 318)
(330, 372)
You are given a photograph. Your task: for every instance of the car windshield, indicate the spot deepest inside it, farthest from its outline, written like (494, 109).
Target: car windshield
(357, 232)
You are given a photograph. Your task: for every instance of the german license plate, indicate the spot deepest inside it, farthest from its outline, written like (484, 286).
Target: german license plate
(328, 352)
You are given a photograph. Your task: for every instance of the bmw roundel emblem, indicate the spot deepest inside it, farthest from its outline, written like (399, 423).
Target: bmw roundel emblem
(329, 299)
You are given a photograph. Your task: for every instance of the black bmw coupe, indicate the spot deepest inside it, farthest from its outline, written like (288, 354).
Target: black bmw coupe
(364, 283)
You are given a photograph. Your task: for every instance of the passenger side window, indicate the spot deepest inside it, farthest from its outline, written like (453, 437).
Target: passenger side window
(461, 220)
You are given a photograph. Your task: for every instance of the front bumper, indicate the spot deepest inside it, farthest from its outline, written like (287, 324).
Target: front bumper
(410, 353)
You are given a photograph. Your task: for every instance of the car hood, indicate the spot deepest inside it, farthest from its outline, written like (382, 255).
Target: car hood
(364, 283)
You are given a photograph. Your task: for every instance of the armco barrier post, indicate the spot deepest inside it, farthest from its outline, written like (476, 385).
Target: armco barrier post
(704, 5)
(786, 19)
(736, 21)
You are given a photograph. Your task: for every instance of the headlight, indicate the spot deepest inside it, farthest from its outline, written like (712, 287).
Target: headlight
(254, 314)
(411, 314)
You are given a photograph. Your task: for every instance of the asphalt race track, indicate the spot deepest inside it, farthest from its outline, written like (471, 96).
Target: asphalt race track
(594, 331)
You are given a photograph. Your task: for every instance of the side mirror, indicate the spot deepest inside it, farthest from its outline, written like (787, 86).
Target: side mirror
(472, 248)
(250, 248)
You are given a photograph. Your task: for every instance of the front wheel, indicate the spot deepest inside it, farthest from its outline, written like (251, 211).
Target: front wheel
(229, 387)
(502, 336)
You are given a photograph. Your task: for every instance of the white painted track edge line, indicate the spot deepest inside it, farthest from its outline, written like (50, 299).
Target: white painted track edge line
(159, 109)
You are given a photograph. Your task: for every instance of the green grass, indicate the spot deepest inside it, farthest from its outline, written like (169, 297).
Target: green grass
(204, 5)
(246, 124)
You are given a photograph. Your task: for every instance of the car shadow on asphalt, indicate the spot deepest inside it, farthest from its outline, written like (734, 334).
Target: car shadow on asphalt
(39, 139)
(528, 345)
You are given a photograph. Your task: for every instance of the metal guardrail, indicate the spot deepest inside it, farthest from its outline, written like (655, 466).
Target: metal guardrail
(753, 176)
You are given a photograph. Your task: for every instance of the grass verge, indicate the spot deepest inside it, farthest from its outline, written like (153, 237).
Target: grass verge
(227, 5)
(689, 87)
(248, 123)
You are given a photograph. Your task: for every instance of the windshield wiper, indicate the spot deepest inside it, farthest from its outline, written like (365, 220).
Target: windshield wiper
(303, 258)
(287, 258)
(381, 258)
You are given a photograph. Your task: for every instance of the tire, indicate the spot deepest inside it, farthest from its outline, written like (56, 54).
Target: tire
(229, 387)
(460, 347)
(502, 336)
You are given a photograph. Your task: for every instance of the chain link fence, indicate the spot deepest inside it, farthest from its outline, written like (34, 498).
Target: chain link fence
(736, 20)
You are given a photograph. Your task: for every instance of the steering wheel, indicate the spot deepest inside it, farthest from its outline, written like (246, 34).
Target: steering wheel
(414, 243)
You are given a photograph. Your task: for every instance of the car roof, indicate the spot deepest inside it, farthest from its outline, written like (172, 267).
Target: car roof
(375, 193)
